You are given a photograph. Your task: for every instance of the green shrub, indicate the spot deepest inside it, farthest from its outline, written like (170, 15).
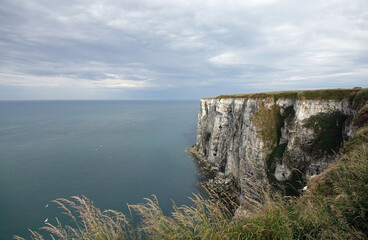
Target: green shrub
(361, 98)
(328, 127)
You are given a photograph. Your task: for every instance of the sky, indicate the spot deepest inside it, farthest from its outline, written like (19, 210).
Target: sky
(179, 49)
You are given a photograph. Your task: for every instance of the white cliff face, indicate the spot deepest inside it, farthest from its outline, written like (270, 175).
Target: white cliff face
(300, 137)
(306, 108)
(226, 133)
(267, 140)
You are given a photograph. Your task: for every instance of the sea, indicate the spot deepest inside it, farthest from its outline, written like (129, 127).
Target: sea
(113, 152)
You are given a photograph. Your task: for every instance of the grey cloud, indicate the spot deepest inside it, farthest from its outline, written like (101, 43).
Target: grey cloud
(183, 46)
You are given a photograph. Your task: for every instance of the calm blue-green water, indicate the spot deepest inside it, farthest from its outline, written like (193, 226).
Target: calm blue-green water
(114, 152)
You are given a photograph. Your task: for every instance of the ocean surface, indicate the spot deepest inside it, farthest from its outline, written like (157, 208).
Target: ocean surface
(113, 152)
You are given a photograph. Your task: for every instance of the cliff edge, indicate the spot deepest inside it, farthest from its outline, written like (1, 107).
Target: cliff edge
(278, 138)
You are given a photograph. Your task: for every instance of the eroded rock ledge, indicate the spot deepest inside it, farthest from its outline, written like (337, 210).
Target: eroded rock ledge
(279, 138)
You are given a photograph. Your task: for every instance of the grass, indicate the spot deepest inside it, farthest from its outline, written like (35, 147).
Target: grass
(330, 94)
(362, 117)
(90, 223)
(361, 98)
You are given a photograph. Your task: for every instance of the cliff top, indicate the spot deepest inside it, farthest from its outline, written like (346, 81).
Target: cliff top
(335, 94)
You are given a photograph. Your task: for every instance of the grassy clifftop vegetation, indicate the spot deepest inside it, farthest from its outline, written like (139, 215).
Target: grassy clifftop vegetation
(334, 206)
(334, 94)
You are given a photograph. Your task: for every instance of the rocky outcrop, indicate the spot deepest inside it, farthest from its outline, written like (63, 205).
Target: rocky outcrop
(276, 138)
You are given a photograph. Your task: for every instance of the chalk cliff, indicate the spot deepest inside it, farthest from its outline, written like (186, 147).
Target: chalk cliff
(278, 138)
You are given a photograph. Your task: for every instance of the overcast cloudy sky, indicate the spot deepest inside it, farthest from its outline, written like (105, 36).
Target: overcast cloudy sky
(179, 49)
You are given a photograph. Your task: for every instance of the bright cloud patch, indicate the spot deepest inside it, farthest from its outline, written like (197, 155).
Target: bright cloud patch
(120, 81)
(229, 58)
(111, 81)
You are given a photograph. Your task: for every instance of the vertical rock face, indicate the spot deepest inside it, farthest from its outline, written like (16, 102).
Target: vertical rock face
(281, 141)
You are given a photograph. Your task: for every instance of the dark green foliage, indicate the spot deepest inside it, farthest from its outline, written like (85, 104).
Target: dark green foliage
(348, 121)
(365, 108)
(328, 127)
(294, 184)
(275, 157)
(361, 98)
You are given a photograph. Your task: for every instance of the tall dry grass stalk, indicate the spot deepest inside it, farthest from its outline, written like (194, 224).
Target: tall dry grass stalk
(90, 223)
(205, 219)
